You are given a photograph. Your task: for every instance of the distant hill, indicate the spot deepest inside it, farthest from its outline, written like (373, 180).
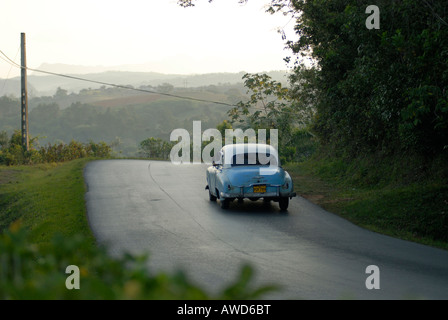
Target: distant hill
(86, 111)
(117, 115)
(44, 85)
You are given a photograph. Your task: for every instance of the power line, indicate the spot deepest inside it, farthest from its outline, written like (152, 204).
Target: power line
(114, 85)
(10, 61)
(435, 13)
(9, 71)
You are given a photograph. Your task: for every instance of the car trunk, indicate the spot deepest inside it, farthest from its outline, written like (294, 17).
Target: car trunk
(250, 175)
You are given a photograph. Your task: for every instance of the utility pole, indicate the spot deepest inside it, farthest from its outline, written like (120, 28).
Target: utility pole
(24, 95)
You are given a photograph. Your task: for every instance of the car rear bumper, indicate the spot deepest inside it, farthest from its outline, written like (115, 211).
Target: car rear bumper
(246, 192)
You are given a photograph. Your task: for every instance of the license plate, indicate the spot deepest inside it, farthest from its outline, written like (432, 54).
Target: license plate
(260, 189)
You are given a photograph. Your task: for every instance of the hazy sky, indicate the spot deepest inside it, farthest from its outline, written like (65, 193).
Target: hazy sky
(222, 36)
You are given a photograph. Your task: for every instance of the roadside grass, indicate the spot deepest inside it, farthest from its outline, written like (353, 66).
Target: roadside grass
(48, 199)
(44, 229)
(374, 197)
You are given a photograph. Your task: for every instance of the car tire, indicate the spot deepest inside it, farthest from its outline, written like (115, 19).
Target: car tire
(224, 203)
(211, 197)
(283, 203)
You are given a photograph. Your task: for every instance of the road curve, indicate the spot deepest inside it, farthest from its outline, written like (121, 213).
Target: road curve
(160, 208)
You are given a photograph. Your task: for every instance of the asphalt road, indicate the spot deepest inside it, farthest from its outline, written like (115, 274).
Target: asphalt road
(163, 209)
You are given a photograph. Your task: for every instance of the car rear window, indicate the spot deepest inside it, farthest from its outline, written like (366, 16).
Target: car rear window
(256, 159)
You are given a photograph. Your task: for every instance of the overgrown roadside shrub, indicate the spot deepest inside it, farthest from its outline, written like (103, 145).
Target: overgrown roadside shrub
(29, 271)
(12, 152)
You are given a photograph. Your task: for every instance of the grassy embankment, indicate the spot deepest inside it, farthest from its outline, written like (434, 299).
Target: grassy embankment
(48, 199)
(384, 197)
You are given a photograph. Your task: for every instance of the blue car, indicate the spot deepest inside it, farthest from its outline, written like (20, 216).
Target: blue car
(251, 171)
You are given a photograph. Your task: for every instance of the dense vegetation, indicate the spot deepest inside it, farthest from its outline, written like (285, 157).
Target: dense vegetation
(30, 272)
(377, 93)
(12, 152)
(378, 90)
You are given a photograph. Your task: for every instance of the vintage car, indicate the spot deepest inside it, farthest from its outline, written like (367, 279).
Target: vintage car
(250, 171)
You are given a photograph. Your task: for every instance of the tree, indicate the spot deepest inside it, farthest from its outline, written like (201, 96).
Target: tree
(165, 88)
(60, 93)
(381, 90)
(273, 106)
(222, 127)
(4, 140)
(155, 148)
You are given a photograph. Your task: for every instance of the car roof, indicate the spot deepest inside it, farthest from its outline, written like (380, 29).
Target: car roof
(231, 150)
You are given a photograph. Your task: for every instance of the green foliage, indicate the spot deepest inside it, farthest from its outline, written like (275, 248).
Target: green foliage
(48, 198)
(416, 212)
(29, 271)
(379, 196)
(155, 148)
(272, 106)
(223, 126)
(12, 152)
(303, 145)
(74, 150)
(267, 97)
(378, 90)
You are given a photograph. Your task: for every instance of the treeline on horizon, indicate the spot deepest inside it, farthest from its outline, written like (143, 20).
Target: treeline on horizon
(120, 117)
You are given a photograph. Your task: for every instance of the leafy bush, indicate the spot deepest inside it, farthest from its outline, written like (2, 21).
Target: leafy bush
(155, 148)
(378, 91)
(28, 271)
(12, 152)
